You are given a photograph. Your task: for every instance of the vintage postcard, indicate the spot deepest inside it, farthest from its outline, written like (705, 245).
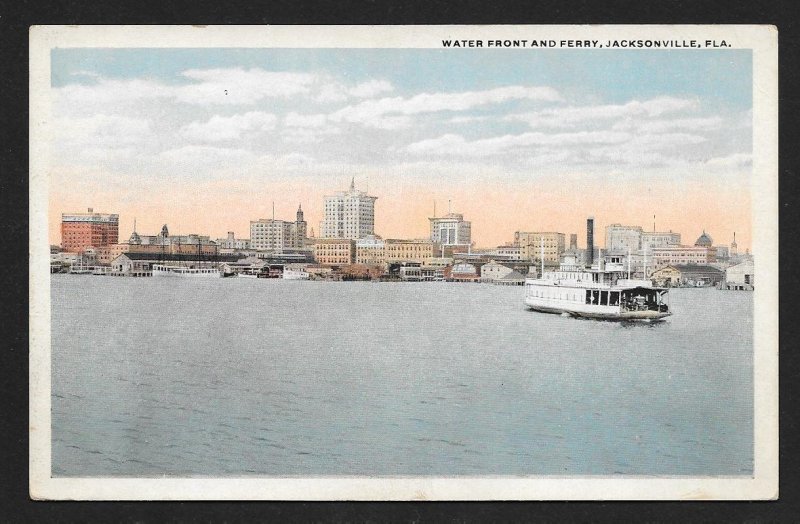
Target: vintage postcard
(404, 263)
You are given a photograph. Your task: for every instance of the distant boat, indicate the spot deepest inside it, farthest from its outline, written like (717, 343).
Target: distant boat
(186, 272)
(600, 293)
(295, 274)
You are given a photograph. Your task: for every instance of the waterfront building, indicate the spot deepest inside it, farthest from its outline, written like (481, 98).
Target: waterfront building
(530, 246)
(673, 255)
(140, 263)
(463, 272)
(371, 250)
(233, 243)
(421, 251)
(83, 230)
(451, 231)
(106, 254)
(278, 234)
(348, 214)
(621, 239)
(494, 271)
(334, 251)
(507, 253)
(740, 276)
(165, 243)
(653, 239)
(699, 275)
(515, 278)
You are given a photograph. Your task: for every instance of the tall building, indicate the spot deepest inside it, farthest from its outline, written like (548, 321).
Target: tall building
(530, 246)
(278, 234)
(348, 214)
(451, 230)
(82, 230)
(621, 239)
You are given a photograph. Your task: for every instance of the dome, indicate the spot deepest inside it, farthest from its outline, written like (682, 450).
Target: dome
(134, 238)
(704, 240)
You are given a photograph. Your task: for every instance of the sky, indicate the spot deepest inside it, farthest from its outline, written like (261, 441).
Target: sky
(205, 140)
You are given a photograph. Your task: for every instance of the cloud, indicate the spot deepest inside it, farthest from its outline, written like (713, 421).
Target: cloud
(371, 88)
(374, 113)
(580, 115)
(736, 160)
(451, 144)
(220, 128)
(241, 86)
(297, 120)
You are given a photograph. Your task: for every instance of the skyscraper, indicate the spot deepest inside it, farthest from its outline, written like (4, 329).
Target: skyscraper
(348, 214)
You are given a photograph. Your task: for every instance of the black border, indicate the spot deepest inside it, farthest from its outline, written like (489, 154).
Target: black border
(14, 22)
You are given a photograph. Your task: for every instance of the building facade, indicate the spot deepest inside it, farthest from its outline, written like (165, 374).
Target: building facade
(231, 242)
(371, 251)
(451, 230)
(654, 239)
(421, 251)
(335, 251)
(530, 246)
(83, 230)
(621, 239)
(348, 214)
(278, 234)
(676, 255)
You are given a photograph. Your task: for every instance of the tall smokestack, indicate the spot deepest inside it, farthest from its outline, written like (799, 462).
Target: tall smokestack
(589, 241)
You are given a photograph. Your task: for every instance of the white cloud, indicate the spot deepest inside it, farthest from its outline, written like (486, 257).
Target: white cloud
(241, 86)
(578, 115)
(220, 128)
(736, 160)
(371, 88)
(451, 144)
(373, 113)
(297, 120)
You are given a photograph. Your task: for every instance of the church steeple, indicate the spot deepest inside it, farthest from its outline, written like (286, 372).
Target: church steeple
(299, 213)
(353, 184)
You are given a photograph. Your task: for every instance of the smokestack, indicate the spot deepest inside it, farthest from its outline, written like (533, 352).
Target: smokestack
(589, 241)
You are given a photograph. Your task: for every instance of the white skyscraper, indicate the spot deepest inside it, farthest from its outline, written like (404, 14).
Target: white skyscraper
(349, 214)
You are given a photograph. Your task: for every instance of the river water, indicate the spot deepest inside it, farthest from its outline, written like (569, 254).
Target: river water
(195, 377)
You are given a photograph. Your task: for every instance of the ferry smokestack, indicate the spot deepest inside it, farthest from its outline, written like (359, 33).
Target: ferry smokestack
(589, 241)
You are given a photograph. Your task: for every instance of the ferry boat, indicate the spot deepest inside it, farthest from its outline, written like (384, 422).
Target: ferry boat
(295, 274)
(603, 291)
(160, 270)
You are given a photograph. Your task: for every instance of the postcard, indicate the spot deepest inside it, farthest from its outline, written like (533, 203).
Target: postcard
(403, 263)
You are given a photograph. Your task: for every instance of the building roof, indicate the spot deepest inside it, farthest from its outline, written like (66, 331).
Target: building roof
(181, 257)
(514, 275)
(697, 268)
(704, 240)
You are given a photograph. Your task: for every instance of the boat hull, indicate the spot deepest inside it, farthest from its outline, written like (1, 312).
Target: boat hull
(646, 316)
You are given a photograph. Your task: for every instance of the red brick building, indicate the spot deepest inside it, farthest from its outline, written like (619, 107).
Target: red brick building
(82, 230)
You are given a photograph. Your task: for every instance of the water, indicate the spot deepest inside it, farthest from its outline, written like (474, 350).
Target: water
(188, 377)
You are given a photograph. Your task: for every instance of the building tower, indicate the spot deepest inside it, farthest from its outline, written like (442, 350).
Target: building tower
(589, 241)
(300, 228)
(734, 247)
(348, 214)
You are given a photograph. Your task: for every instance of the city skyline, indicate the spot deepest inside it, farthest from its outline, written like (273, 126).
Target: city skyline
(206, 140)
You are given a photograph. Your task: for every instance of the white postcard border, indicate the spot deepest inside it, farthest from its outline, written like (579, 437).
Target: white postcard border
(764, 484)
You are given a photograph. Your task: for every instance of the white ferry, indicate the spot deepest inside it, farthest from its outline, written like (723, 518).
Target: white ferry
(295, 274)
(600, 292)
(182, 271)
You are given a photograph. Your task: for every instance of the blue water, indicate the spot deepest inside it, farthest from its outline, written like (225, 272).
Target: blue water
(188, 377)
